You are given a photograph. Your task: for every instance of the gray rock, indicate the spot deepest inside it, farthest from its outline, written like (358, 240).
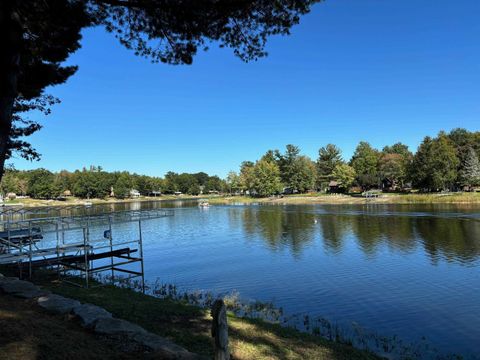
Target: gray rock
(89, 314)
(5, 279)
(20, 288)
(111, 326)
(32, 294)
(57, 304)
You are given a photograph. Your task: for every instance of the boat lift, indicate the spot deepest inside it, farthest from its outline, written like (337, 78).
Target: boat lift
(76, 245)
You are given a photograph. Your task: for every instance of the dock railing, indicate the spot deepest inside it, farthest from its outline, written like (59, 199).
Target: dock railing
(76, 245)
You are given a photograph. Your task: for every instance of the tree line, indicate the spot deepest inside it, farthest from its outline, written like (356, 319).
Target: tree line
(94, 182)
(449, 161)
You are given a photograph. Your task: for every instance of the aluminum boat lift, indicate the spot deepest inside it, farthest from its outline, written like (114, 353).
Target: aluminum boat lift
(76, 245)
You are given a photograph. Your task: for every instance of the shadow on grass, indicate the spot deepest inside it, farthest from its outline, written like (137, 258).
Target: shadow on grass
(189, 326)
(27, 332)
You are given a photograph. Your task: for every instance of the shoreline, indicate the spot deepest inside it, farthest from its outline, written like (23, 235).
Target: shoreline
(383, 199)
(304, 199)
(189, 325)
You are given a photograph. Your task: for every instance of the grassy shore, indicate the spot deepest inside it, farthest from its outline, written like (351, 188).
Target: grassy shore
(189, 326)
(71, 200)
(333, 199)
(313, 198)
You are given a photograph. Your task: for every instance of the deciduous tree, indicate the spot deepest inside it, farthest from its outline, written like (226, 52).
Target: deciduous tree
(266, 178)
(434, 166)
(345, 176)
(365, 162)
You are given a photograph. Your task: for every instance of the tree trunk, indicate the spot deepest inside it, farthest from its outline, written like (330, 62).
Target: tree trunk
(10, 43)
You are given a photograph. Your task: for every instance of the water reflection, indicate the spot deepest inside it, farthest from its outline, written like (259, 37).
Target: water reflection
(280, 227)
(453, 238)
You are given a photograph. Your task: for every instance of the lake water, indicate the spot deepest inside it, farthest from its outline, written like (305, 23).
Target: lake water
(406, 270)
(410, 271)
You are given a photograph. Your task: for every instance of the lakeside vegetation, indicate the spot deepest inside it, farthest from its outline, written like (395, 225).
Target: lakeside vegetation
(448, 162)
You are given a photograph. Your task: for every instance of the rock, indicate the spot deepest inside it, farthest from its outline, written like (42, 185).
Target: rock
(20, 288)
(57, 304)
(111, 326)
(7, 279)
(89, 314)
(31, 294)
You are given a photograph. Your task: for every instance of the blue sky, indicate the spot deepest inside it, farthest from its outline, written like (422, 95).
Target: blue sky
(373, 70)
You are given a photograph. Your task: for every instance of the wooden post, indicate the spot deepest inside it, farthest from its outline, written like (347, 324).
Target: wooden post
(220, 330)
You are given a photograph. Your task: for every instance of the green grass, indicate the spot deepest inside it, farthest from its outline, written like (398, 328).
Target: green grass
(333, 199)
(189, 326)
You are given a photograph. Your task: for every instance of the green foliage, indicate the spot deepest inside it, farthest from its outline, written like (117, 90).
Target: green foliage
(328, 158)
(266, 178)
(41, 184)
(164, 31)
(345, 175)
(469, 174)
(40, 62)
(392, 168)
(214, 183)
(246, 175)
(123, 185)
(365, 162)
(9, 182)
(192, 184)
(233, 182)
(297, 172)
(435, 164)
(92, 183)
(394, 163)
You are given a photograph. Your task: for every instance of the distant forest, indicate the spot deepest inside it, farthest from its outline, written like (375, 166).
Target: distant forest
(449, 161)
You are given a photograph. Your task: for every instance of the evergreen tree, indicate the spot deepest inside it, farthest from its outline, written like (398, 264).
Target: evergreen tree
(296, 171)
(328, 158)
(469, 174)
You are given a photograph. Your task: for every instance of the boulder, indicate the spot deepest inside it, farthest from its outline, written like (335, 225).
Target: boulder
(57, 304)
(20, 288)
(89, 314)
(112, 326)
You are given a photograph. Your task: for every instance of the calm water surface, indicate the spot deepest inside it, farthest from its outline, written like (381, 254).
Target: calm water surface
(404, 270)
(410, 271)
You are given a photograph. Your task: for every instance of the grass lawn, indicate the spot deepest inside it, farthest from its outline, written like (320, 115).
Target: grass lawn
(27, 332)
(189, 326)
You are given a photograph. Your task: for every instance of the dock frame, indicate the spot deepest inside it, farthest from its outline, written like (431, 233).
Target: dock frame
(74, 246)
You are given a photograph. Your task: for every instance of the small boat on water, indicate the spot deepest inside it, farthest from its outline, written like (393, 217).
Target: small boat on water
(203, 204)
(87, 203)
